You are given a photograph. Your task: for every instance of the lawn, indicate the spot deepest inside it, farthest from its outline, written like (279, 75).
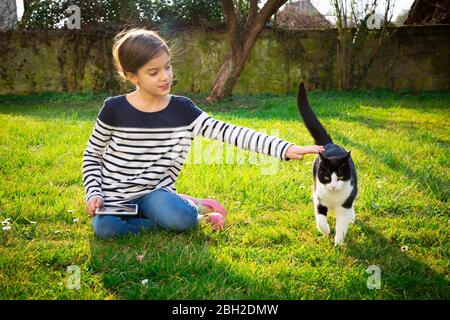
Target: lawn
(270, 248)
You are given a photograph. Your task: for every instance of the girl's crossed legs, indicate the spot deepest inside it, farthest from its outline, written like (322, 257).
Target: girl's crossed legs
(157, 209)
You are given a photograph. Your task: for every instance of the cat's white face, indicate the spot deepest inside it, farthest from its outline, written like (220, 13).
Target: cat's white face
(334, 172)
(334, 184)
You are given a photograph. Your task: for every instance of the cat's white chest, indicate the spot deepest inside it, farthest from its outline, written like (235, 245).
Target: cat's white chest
(333, 198)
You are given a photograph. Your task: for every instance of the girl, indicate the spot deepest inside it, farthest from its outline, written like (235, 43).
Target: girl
(141, 139)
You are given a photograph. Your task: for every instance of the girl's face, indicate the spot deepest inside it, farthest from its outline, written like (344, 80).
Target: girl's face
(155, 77)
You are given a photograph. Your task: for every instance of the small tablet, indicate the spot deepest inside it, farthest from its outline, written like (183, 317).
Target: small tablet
(118, 210)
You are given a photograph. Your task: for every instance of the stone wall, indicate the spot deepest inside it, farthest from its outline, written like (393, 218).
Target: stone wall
(416, 58)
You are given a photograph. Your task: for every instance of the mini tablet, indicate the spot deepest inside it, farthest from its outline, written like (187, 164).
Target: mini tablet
(118, 210)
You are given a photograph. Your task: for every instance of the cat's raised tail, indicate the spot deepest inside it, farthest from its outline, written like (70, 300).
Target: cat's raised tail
(313, 124)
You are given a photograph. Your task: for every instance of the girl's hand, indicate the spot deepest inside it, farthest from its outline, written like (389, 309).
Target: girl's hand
(297, 152)
(93, 204)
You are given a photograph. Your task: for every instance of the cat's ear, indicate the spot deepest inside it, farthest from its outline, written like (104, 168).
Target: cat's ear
(348, 154)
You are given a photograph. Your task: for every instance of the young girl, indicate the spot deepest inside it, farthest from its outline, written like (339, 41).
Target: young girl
(141, 140)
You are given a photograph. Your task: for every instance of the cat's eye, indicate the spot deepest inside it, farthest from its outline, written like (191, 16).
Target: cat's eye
(326, 178)
(341, 177)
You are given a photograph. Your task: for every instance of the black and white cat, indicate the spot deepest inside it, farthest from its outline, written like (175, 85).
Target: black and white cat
(335, 182)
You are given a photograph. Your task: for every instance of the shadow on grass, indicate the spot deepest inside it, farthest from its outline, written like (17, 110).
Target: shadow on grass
(51, 111)
(183, 266)
(175, 266)
(334, 105)
(407, 125)
(428, 181)
(331, 104)
(401, 275)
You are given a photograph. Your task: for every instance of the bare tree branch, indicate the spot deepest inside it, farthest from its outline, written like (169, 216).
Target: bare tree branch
(269, 8)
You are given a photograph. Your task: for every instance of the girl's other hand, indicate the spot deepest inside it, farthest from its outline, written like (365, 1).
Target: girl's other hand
(93, 204)
(296, 152)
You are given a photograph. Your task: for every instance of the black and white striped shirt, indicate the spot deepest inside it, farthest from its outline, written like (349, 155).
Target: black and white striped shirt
(131, 152)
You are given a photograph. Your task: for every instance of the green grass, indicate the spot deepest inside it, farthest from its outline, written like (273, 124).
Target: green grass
(270, 248)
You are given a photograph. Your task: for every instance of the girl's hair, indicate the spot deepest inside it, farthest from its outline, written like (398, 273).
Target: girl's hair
(134, 48)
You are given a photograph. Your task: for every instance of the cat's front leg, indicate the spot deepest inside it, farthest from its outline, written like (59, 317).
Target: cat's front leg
(344, 217)
(321, 218)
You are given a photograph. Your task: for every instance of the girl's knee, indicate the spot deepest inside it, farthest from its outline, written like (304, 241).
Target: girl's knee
(171, 212)
(179, 218)
(183, 220)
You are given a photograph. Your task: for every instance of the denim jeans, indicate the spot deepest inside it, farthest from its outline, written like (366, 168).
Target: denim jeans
(157, 209)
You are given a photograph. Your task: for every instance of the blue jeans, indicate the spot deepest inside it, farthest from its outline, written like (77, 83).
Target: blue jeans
(157, 209)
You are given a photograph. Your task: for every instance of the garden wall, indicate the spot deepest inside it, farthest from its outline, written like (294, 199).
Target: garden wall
(416, 58)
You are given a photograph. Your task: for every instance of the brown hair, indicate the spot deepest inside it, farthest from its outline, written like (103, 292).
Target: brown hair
(134, 48)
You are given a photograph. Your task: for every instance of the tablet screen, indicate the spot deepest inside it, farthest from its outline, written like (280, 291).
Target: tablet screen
(118, 209)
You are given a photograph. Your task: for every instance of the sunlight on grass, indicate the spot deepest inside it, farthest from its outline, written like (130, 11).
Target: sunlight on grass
(270, 248)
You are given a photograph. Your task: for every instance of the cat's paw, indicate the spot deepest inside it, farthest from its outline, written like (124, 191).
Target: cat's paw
(322, 224)
(339, 239)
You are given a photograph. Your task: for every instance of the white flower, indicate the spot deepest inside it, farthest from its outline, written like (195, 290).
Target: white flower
(144, 282)
(70, 211)
(56, 232)
(404, 248)
(75, 220)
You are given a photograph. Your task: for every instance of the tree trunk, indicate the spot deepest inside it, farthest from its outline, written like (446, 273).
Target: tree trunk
(343, 45)
(232, 66)
(343, 60)
(242, 36)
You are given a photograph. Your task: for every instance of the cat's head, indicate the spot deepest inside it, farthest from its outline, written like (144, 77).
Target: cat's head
(334, 172)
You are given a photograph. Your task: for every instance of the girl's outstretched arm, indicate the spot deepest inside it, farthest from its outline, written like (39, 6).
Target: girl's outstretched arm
(248, 139)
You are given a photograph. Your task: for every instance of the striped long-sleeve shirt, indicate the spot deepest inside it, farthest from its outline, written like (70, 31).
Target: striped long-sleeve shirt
(131, 152)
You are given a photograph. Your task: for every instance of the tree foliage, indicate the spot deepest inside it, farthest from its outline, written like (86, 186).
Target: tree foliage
(115, 14)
